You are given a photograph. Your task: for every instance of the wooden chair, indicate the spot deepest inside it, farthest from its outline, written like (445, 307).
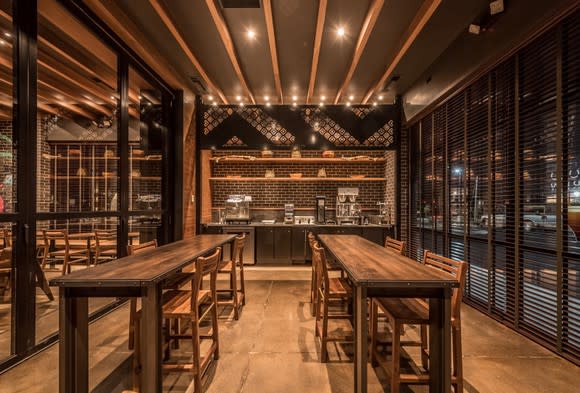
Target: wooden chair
(5, 270)
(237, 296)
(105, 247)
(331, 291)
(313, 283)
(131, 250)
(196, 305)
(6, 238)
(416, 311)
(395, 245)
(69, 255)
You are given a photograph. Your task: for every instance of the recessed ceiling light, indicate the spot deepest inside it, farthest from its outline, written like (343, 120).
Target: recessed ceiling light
(2, 42)
(375, 103)
(380, 97)
(351, 97)
(340, 31)
(113, 98)
(214, 103)
(267, 98)
(7, 34)
(241, 104)
(294, 98)
(210, 98)
(268, 104)
(323, 98)
(348, 103)
(294, 104)
(239, 98)
(251, 34)
(321, 104)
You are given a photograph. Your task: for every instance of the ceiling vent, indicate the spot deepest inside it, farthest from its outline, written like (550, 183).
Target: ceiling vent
(198, 86)
(240, 3)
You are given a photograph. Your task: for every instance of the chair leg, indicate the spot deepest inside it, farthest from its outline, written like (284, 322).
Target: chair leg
(196, 354)
(168, 328)
(132, 327)
(374, 325)
(214, 329)
(424, 346)
(234, 287)
(317, 314)
(242, 283)
(137, 359)
(324, 338)
(396, 358)
(457, 359)
(65, 266)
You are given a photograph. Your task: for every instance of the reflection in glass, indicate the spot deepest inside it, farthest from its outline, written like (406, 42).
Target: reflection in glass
(147, 128)
(6, 285)
(78, 163)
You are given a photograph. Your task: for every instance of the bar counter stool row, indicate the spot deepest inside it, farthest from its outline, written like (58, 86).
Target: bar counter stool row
(397, 313)
(186, 306)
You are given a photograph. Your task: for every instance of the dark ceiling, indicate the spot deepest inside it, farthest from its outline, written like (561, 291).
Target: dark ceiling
(295, 24)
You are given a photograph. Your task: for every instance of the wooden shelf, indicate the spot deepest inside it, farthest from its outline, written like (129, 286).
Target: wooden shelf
(101, 158)
(104, 177)
(298, 179)
(289, 160)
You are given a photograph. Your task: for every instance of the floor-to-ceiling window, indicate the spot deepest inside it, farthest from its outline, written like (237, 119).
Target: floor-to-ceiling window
(507, 201)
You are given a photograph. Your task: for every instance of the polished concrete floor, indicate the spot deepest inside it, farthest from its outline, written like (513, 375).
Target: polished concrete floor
(272, 349)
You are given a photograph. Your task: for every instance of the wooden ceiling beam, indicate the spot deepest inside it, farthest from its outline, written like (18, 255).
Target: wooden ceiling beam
(363, 37)
(269, 16)
(425, 12)
(166, 19)
(317, 43)
(222, 28)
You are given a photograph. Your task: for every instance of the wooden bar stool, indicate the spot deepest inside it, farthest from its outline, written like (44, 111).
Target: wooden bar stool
(65, 252)
(416, 311)
(230, 267)
(195, 305)
(331, 291)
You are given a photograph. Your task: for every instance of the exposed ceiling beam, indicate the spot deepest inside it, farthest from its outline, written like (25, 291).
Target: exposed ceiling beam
(316, 53)
(166, 19)
(363, 37)
(269, 16)
(222, 28)
(425, 12)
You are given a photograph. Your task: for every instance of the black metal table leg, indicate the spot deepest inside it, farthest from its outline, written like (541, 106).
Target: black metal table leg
(360, 346)
(151, 340)
(440, 342)
(74, 342)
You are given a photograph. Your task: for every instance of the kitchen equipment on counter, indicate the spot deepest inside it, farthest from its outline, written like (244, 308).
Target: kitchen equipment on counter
(304, 220)
(320, 209)
(289, 213)
(238, 208)
(348, 210)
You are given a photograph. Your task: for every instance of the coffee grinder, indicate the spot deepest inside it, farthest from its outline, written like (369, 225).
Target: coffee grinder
(320, 209)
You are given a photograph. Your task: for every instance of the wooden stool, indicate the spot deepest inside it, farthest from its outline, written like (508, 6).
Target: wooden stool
(330, 290)
(416, 311)
(237, 296)
(105, 247)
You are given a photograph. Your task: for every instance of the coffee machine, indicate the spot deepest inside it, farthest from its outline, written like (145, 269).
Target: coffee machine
(320, 209)
(348, 210)
(289, 213)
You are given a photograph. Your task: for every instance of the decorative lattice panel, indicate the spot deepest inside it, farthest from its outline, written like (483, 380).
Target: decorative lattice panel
(267, 126)
(213, 117)
(361, 112)
(235, 141)
(328, 128)
(383, 137)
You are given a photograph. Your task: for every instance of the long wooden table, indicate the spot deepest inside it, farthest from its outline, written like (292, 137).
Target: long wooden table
(376, 272)
(139, 275)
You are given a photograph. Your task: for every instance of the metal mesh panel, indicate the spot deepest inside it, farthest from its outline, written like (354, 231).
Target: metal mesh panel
(328, 128)
(383, 137)
(266, 125)
(234, 141)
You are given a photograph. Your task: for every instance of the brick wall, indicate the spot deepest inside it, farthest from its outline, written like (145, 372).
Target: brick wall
(274, 194)
(404, 187)
(44, 193)
(7, 166)
(391, 184)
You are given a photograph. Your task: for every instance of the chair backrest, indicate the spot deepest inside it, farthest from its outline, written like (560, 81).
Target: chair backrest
(205, 266)
(319, 257)
(104, 235)
(56, 235)
(7, 234)
(6, 258)
(395, 245)
(138, 248)
(311, 240)
(238, 248)
(457, 269)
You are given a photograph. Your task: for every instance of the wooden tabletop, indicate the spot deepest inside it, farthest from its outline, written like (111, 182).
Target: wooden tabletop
(85, 235)
(370, 264)
(145, 268)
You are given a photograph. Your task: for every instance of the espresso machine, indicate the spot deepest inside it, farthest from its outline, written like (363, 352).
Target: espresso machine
(320, 209)
(289, 213)
(238, 208)
(348, 210)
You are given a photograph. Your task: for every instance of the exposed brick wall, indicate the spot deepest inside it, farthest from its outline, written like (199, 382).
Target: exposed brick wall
(7, 166)
(391, 184)
(44, 192)
(274, 194)
(404, 186)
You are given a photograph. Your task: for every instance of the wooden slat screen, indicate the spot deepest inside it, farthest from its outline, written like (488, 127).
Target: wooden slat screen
(495, 181)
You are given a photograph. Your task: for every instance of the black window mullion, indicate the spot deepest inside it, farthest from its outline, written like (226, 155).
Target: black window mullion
(123, 148)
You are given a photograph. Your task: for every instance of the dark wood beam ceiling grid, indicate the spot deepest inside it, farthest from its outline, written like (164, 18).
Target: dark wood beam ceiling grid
(365, 32)
(226, 38)
(268, 15)
(167, 20)
(316, 52)
(425, 12)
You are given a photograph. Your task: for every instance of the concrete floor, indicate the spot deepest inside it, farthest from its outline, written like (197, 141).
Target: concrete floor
(272, 349)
